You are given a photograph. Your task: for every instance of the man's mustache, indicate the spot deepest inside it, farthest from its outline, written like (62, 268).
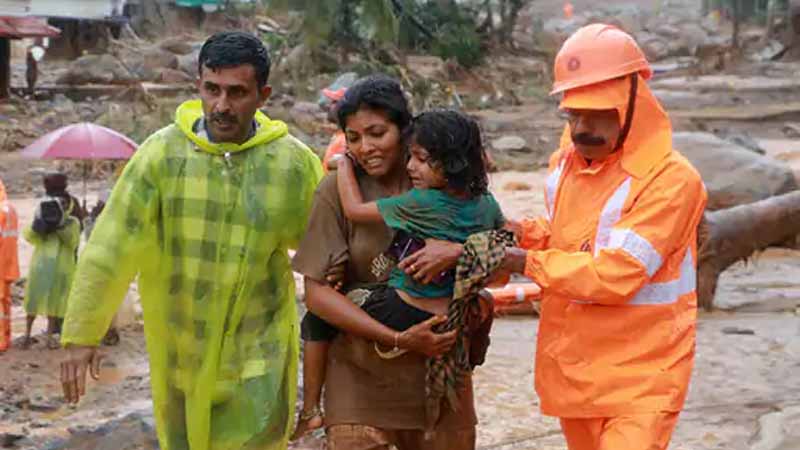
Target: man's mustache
(589, 140)
(223, 117)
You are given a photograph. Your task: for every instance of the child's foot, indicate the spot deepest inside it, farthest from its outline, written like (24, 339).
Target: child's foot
(26, 342)
(307, 422)
(54, 342)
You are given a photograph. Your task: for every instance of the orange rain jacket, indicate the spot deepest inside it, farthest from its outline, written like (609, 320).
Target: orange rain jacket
(616, 260)
(9, 232)
(337, 146)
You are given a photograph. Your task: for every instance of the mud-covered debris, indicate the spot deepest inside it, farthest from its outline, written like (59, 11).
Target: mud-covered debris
(738, 331)
(134, 431)
(10, 440)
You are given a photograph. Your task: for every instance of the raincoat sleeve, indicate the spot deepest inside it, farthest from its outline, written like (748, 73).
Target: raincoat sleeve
(70, 233)
(125, 234)
(660, 222)
(311, 175)
(31, 236)
(535, 233)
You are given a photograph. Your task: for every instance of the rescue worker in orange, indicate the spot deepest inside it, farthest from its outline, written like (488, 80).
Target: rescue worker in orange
(9, 264)
(338, 144)
(615, 256)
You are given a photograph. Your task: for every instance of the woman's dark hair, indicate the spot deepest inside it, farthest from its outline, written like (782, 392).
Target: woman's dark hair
(378, 92)
(453, 141)
(235, 48)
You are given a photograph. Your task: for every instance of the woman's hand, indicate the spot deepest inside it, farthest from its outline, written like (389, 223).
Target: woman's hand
(335, 276)
(422, 339)
(427, 263)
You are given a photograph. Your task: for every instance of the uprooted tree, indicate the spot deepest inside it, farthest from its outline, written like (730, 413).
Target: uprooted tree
(736, 234)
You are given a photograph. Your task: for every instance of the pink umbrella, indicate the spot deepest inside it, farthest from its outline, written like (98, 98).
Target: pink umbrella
(84, 141)
(81, 141)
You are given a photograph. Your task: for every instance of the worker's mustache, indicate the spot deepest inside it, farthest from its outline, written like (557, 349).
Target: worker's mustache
(588, 140)
(223, 117)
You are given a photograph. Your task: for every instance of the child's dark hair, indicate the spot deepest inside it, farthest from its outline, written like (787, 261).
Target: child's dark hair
(235, 48)
(453, 141)
(378, 92)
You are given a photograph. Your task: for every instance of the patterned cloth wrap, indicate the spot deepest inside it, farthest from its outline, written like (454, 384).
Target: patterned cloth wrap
(482, 255)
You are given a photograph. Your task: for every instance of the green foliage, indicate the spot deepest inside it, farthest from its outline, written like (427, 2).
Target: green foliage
(453, 30)
(346, 23)
(460, 42)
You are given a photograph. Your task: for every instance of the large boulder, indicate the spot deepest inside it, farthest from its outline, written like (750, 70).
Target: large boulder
(733, 175)
(177, 45)
(555, 31)
(627, 16)
(188, 64)
(172, 76)
(157, 58)
(96, 69)
(148, 64)
(510, 144)
(654, 46)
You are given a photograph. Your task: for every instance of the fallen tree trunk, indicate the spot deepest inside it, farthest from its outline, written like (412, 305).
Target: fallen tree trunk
(735, 234)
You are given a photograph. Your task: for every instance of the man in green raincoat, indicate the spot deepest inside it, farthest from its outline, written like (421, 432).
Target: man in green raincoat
(204, 213)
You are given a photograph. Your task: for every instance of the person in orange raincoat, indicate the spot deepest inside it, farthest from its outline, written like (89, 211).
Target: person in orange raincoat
(338, 144)
(9, 264)
(616, 254)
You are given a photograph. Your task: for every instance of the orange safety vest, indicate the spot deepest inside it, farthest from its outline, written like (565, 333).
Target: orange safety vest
(616, 260)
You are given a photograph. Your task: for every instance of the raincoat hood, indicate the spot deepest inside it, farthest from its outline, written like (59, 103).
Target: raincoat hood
(190, 111)
(650, 137)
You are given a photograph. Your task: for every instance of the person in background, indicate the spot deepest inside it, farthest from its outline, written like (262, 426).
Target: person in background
(338, 145)
(55, 236)
(9, 264)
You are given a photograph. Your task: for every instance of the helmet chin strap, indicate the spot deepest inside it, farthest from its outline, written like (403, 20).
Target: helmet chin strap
(626, 128)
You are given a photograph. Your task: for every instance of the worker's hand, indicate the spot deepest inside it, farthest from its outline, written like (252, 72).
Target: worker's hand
(335, 276)
(427, 263)
(422, 339)
(78, 359)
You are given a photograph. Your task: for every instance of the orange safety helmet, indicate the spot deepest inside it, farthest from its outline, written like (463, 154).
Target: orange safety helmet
(596, 53)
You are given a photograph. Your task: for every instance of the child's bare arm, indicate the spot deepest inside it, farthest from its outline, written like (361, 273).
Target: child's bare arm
(350, 195)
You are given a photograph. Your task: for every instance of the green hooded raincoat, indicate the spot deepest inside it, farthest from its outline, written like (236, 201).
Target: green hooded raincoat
(52, 268)
(206, 227)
